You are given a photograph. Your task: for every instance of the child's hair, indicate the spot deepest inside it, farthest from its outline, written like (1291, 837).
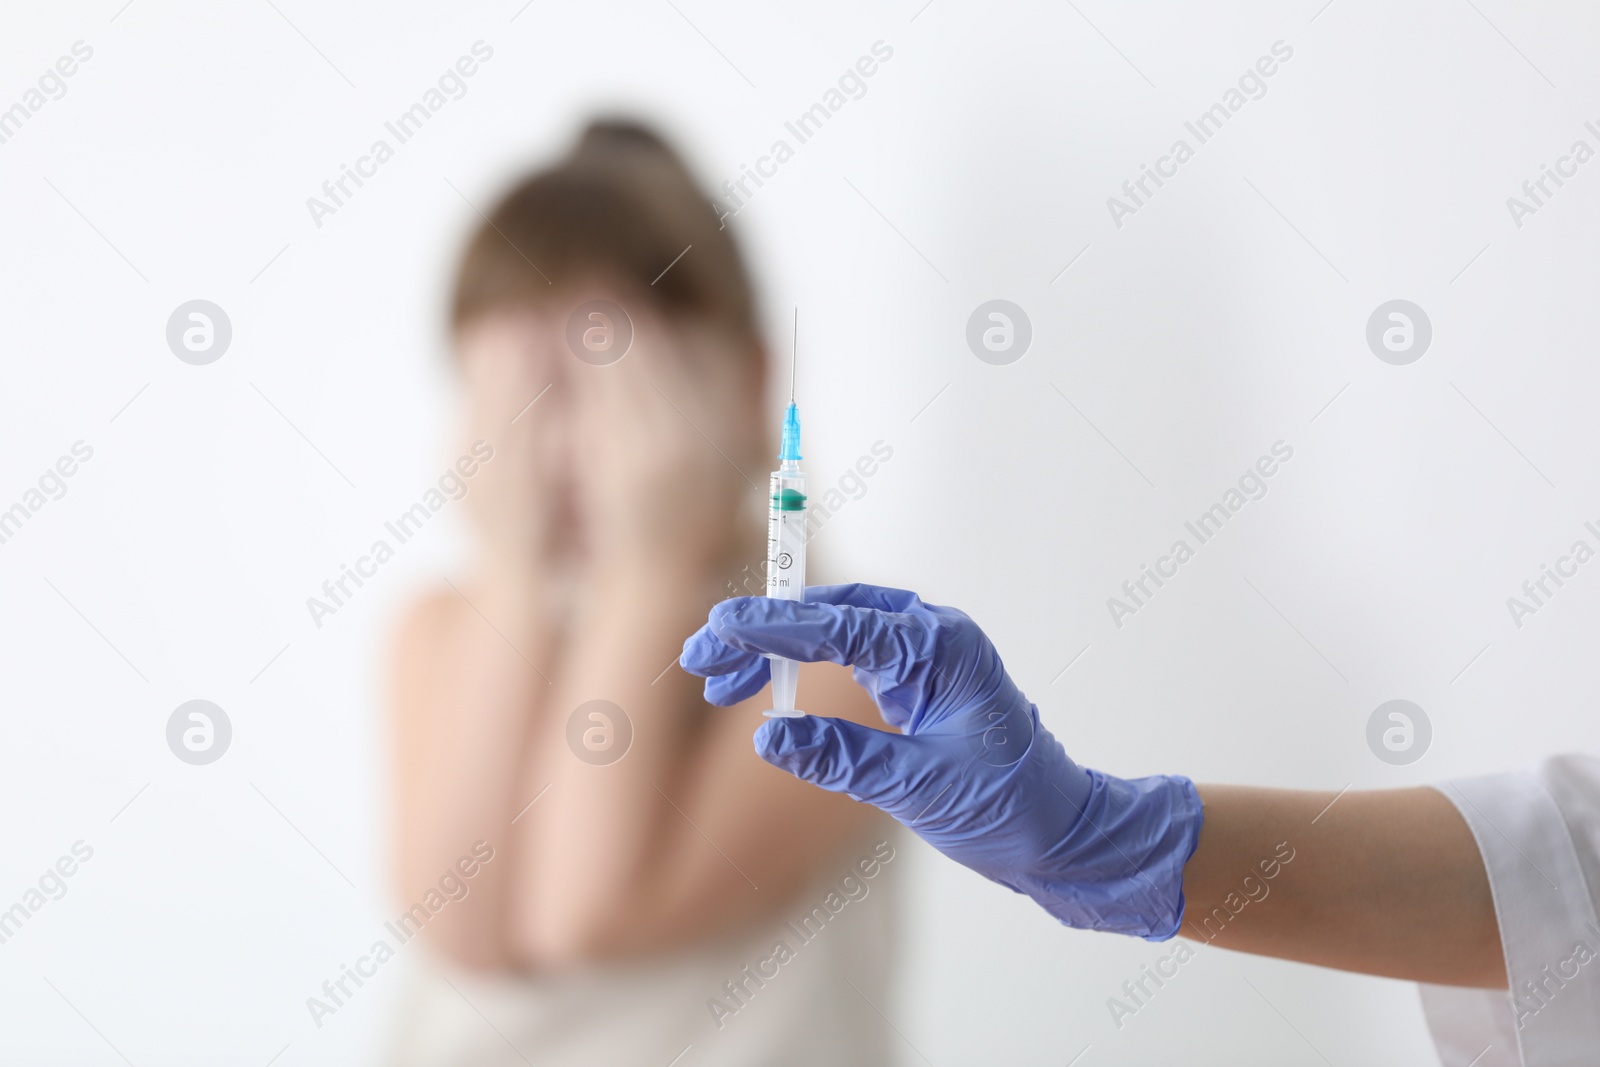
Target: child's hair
(616, 210)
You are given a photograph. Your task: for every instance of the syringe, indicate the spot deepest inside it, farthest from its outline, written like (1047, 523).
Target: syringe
(786, 541)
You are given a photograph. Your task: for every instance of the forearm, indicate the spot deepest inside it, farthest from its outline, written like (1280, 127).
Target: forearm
(1387, 882)
(461, 760)
(593, 846)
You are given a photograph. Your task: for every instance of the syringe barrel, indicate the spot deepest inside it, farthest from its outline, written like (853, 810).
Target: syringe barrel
(786, 568)
(786, 535)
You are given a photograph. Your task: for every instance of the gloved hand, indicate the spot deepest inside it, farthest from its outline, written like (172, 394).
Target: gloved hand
(973, 771)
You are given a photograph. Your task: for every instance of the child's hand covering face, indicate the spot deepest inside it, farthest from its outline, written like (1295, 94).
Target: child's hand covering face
(663, 446)
(521, 500)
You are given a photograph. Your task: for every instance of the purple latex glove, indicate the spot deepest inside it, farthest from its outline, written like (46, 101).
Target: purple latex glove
(973, 771)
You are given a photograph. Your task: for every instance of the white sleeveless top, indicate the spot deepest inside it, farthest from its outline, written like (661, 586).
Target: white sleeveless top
(804, 987)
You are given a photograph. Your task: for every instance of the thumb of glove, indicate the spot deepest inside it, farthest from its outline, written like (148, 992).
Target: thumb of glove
(836, 754)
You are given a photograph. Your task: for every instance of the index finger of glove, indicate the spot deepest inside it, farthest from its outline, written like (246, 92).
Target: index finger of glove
(879, 642)
(862, 595)
(708, 655)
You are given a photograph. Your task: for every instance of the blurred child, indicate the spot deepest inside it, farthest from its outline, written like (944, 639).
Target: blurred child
(621, 897)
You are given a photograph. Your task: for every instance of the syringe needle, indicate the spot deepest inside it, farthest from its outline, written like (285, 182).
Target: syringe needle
(794, 353)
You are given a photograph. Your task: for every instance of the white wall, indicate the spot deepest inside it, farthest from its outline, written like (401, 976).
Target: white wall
(1219, 319)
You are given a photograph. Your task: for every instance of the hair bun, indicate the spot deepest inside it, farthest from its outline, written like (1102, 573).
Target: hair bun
(620, 209)
(619, 134)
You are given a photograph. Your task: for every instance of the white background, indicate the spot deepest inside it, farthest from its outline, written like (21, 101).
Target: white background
(1221, 318)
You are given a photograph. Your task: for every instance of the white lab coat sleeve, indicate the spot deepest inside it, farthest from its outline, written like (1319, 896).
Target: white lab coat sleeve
(1539, 835)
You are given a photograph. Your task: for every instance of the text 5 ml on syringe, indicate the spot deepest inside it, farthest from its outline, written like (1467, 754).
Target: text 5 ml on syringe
(786, 543)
